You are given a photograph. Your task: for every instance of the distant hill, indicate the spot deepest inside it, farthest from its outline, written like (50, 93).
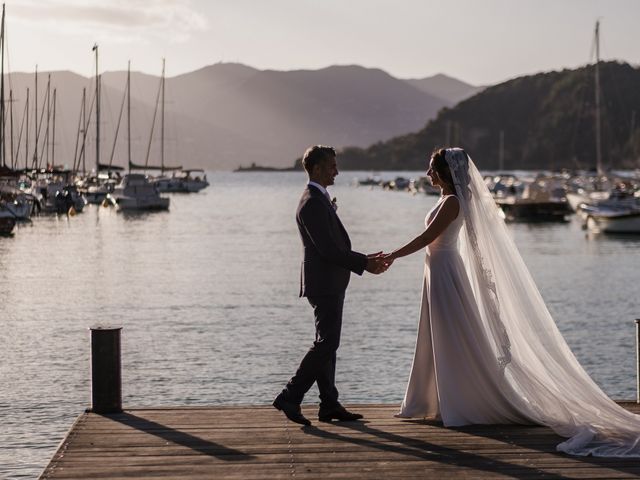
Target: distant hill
(547, 120)
(449, 89)
(269, 116)
(226, 115)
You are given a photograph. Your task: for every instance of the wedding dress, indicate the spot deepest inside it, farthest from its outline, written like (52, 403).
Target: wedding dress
(488, 350)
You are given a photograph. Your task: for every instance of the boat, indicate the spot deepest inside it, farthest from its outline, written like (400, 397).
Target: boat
(529, 210)
(96, 193)
(540, 200)
(96, 188)
(612, 220)
(160, 102)
(371, 181)
(19, 203)
(399, 183)
(619, 212)
(7, 220)
(182, 182)
(136, 192)
(58, 194)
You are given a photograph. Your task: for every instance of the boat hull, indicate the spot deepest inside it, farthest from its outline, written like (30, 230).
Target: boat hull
(132, 203)
(7, 224)
(622, 223)
(525, 211)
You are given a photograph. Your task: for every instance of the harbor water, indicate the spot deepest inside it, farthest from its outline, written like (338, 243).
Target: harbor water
(206, 294)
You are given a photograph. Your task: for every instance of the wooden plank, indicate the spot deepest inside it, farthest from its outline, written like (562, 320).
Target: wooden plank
(257, 442)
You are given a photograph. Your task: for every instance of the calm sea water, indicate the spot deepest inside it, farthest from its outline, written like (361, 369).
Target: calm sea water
(207, 296)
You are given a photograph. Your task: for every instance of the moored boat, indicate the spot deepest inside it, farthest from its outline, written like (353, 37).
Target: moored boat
(7, 221)
(612, 220)
(182, 182)
(135, 192)
(19, 203)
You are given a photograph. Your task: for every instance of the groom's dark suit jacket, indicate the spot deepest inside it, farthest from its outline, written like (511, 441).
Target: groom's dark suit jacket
(328, 258)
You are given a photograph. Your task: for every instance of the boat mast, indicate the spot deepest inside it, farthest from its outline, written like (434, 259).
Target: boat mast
(80, 129)
(153, 121)
(129, 113)
(162, 125)
(597, 93)
(53, 136)
(95, 49)
(13, 159)
(2, 114)
(26, 143)
(46, 135)
(84, 131)
(35, 147)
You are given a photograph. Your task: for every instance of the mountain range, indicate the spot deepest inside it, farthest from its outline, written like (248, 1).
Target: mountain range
(545, 121)
(225, 115)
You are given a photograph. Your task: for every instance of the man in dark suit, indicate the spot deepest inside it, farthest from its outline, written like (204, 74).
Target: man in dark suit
(326, 268)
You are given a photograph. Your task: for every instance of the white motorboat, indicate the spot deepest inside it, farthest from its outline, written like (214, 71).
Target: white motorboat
(611, 220)
(195, 183)
(183, 182)
(135, 192)
(540, 201)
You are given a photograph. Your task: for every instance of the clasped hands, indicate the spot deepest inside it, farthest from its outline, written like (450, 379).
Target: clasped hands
(379, 262)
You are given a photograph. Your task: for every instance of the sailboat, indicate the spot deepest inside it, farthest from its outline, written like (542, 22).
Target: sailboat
(135, 191)
(614, 210)
(181, 180)
(102, 184)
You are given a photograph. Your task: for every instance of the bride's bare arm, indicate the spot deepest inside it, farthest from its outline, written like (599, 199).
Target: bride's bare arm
(447, 214)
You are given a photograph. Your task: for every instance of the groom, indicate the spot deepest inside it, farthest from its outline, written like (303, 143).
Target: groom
(328, 263)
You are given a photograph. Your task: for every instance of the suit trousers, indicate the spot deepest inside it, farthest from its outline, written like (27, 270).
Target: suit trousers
(319, 364)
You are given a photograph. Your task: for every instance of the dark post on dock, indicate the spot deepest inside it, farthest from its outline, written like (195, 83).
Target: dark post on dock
(106, 379)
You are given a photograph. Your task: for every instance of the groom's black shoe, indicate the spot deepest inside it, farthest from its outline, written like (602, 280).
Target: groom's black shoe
(337, 413)
(291, 410)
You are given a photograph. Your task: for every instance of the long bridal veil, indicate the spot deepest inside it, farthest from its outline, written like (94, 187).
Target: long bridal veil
(538, 372)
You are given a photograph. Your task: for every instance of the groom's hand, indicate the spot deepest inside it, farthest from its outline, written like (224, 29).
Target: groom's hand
(376, 263)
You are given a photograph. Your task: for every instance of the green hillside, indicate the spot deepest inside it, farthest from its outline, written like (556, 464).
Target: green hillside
(547, 120)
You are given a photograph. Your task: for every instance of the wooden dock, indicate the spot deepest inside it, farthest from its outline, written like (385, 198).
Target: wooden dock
(259, 443)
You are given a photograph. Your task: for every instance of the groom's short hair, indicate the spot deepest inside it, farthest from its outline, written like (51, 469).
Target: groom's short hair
(316, 154)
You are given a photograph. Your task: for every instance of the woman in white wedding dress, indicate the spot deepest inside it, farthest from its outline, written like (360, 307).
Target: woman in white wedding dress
(488, 351)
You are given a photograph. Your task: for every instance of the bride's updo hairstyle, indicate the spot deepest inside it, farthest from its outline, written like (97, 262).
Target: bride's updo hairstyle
(441, 167)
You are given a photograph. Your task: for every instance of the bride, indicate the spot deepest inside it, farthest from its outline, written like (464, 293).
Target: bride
(488, 351)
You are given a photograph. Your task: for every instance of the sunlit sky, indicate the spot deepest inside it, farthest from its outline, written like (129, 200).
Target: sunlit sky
(478, 41)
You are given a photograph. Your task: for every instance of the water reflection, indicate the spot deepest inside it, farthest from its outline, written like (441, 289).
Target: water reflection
(207, 296)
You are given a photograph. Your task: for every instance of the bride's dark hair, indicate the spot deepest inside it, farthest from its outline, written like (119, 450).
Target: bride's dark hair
(441, 167)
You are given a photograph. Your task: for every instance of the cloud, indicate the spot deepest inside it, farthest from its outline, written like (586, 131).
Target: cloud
(117, 20)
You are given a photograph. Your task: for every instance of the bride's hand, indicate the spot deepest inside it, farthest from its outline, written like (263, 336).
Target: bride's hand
(388, 258)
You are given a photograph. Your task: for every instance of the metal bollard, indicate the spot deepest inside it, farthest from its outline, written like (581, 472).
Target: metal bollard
(106, 380)
(637, 360)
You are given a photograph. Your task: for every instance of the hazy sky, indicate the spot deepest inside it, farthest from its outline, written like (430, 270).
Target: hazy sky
(478, 41)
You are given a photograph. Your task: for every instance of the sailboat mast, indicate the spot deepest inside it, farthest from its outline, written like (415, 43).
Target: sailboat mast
(95, 49)
(46, 135)
(26, 143)
(53, 136)
(129, 113)
(162, 125)
(35, 147)
(597, 94)
(2, 114)
(84, 130)
(13, 160)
